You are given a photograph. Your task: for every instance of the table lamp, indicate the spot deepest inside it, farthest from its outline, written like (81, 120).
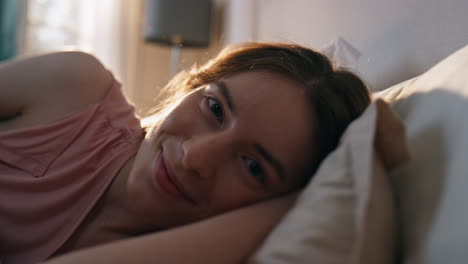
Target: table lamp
(179, 24)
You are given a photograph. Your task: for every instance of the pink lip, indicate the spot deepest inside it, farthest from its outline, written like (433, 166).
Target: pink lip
(167, 180)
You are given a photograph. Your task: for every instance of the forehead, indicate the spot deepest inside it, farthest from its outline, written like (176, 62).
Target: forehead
(275, 112)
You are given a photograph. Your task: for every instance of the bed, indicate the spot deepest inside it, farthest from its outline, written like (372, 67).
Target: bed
(356, 211)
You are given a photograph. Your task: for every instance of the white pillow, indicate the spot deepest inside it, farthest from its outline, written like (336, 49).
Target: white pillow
(346, 213)
(433, 189)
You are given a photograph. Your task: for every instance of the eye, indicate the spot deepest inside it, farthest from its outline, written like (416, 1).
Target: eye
(216, 109)
(255, 170)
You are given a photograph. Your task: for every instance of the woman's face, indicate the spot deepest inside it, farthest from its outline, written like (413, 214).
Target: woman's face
(243, 139)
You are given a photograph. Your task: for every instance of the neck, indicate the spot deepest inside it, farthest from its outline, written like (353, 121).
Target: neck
(111, 218)
(117, 213)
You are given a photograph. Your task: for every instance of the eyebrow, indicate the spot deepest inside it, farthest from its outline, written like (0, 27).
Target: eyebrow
(226, 94)
(270, 159)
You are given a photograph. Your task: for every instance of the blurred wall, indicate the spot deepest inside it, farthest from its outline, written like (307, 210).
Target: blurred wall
(148, 64)
(398, 39)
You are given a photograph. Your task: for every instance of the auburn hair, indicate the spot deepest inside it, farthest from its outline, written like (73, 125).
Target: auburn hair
(337, 95)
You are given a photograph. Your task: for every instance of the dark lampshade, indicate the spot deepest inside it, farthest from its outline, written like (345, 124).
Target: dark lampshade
(178, 22)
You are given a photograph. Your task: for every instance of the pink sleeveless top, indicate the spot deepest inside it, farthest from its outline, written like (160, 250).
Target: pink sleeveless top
(52, 175)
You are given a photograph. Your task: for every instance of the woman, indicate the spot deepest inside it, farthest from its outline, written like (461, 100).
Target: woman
(77, 170)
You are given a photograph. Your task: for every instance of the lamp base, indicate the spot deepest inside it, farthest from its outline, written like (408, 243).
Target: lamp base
(175, 58)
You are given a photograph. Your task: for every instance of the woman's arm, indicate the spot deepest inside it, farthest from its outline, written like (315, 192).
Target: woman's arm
(228, 238)
(45, 87)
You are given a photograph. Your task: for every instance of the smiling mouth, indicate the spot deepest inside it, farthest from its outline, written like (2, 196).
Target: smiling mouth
(168, 182)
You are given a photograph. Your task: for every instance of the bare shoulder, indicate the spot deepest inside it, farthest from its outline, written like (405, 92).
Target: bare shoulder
(38, 89)
(75, 75)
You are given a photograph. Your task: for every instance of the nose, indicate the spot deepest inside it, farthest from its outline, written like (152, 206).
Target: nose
(205, 154)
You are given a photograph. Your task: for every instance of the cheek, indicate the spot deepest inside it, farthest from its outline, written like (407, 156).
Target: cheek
(232, 190)
(147, 153)
(142, 162)
(183, 120)
(302, 169)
